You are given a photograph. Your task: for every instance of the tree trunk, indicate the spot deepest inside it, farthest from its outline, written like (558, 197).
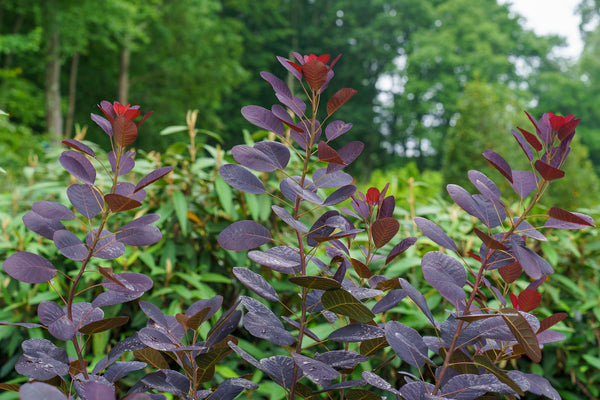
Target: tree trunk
(54, 122)
(72, 93)
(124, 74)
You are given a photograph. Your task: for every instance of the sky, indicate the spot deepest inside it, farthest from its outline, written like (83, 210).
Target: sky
(552, 17)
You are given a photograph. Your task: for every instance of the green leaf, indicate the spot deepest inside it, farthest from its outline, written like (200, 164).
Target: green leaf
(169, 130)
(316, 282)
(181, 209)
(592, 360)
(522, 331)
(340, 301)
(225, 195)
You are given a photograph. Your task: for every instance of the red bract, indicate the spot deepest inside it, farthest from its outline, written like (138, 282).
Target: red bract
(557, 121)
(373, 195)
(126, 111)
(314, 69)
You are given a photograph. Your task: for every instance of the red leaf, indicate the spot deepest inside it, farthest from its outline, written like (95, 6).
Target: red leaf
(568, 128)
(339, 98)
(529, 299)
(124, 131)
(564, 215)
(510, 272)
(499, 163)
(531, 139)
(361, 269)
(489, 241)
(533, 122)
(384, 230)
(315, 73)
(117, 202)
(548, 172)
(328, 154)
(551, 321)
(514, 300)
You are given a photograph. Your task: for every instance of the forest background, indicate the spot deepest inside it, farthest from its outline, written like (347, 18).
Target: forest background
(438, 82)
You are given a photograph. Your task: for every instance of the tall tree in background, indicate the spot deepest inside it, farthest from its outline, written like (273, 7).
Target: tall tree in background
(465, 39)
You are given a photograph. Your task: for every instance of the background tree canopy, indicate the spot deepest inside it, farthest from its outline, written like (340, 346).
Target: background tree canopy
(429, 74)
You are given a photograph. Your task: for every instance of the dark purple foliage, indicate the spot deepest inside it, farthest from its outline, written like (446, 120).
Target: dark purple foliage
(42, 226)
(435, 233)
(29, 267)
(86, 199)
(244, 235)
(78, 165)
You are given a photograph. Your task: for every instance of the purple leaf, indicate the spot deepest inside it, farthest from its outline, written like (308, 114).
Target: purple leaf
(378, 382)
(294, 103)
(166, 380)
(278, 85)
(256, 283)
(53, 317)
(243, 235)
(324, 180)
(86, 199)
(538, 385)
(288, 219)
(264, 119)
(126, 163)
(525, 228)
(283, 115)
(336, 129)
(230, 388)
(470, 386)
(111, 298)
(130, 282)
(252, 158)
(40, 390)
(97, 390)
(280, 369)
(435, 233)
(224, 326)
(318, 372)
(263, 323)
(102, 123)
(70, 246)
(341, 359)
(152, 177)
(342, 194)
(52, 210)
(445, 274)
(281, 259)
(400, 248)
(286, 64)
(278, 153)
(84, 313)
(29, 267)
(389, 301)
(42, 226)
(573, 218)
(418, 390)
(525, 257)
(491, 211)
(42, 360)
(142, 236)
(348, 153)
(241, 179)
(214, 303)
(524, 182)
(523, 142)
(291, 189)
(27, 325)
(499, 163)
(464, 200)
(356, 332)
(550, 337)
(558, 224)
(157, 339)
(141, 222)
(106, 247)
(78, 165)
(407, 344)
(418, 298)
(484, 184)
